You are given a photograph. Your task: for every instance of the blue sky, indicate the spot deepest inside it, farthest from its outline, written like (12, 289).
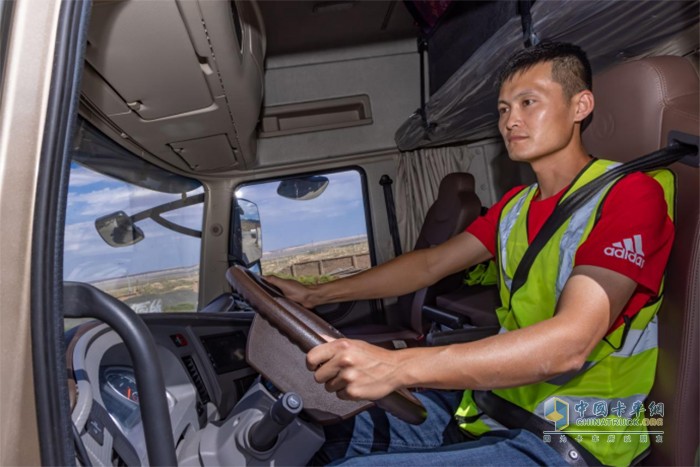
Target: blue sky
(337, 213)
(88, 258)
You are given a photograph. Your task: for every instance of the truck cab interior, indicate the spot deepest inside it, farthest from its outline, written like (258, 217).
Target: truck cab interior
(191, 146)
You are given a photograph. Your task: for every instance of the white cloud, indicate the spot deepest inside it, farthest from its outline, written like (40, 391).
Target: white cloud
(107, 200)
(88, 258)
(80, 176)
(79, 235)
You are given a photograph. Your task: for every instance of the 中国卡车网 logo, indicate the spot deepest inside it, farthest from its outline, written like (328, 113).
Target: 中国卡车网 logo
(557, 412)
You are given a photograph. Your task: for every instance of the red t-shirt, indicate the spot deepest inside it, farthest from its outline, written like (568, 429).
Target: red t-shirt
(633, 236)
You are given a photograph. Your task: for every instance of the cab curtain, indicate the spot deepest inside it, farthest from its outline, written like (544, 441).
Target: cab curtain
(419, 174)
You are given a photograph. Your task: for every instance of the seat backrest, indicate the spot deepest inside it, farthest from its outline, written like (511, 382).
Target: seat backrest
(637, 104)
(455, 207)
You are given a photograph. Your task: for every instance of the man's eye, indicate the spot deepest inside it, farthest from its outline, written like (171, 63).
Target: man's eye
(502, 110)
(528, 102)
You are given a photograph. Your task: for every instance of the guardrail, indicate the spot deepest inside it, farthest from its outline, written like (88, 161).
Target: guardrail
(328, 266)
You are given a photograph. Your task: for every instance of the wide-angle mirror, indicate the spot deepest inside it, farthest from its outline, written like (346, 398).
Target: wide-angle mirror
(304, 188)
(118, 229)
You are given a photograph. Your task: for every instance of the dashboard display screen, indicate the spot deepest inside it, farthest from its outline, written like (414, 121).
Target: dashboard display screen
(226, 351)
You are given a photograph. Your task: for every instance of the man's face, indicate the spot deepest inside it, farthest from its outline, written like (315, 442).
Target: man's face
(536, 119)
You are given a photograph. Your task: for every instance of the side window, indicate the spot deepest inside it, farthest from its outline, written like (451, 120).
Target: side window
(5, 17)
(130, 233)
(312, 228)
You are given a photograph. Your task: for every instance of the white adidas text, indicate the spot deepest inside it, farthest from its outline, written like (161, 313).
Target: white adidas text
(629, 249)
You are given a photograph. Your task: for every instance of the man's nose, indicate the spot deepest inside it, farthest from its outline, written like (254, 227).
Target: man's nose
(512, 119)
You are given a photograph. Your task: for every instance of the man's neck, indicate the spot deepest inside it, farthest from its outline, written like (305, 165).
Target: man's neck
(556, 172)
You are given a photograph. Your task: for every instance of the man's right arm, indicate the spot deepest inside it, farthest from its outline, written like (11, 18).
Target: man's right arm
(407, 273)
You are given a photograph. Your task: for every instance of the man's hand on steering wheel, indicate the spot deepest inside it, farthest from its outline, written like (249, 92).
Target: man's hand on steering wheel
(355, 370)
(293, 290)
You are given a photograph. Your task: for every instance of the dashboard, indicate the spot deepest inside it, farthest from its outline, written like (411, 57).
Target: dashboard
(203, 359)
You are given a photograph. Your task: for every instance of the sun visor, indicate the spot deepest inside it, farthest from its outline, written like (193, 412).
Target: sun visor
(464, 108)
(101, 154)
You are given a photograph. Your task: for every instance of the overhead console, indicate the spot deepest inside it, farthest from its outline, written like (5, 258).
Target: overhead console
(181, 79)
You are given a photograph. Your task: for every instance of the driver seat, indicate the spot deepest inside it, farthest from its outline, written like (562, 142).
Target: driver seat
(637, 104)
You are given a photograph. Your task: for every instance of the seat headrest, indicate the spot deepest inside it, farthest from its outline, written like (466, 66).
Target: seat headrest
(455, 183)
(450, 195)
(454, 209)
(638, 103)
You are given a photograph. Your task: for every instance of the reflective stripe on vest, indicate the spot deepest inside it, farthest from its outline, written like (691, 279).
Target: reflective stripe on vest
(620, 368)
(572, 235)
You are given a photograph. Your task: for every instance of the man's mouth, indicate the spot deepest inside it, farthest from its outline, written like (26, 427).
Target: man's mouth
(516, 138)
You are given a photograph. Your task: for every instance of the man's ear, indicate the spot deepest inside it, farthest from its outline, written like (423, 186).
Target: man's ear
(584, 103)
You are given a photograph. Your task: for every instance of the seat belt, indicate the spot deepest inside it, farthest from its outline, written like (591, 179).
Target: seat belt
(386, 182)
(512, 416)
(422, 50)
(566, 208)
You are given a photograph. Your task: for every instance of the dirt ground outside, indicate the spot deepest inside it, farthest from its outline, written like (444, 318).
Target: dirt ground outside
(177, 289)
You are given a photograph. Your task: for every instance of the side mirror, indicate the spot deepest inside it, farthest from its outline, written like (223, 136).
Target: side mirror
(118, 229)
(304, 188)
(248, 248)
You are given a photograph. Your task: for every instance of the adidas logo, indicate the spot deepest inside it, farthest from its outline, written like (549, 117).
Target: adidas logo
(629, 249)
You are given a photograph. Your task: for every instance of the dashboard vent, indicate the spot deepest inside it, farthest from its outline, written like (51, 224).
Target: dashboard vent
(196, 379)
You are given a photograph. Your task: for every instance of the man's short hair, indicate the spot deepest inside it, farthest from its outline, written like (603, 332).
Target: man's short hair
(570, 65)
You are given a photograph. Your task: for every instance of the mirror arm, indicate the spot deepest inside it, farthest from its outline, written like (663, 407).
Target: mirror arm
(171, 206)
(176, 227)
(155, 214)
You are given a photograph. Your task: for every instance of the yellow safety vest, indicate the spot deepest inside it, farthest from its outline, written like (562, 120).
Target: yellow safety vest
(603, 398)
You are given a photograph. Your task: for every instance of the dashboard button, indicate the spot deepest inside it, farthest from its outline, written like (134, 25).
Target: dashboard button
(179, 340)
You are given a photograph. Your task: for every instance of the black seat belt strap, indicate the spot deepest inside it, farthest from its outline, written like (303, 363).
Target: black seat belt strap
(386, 183)
(422, 51)
(512, 416)
(566, 208)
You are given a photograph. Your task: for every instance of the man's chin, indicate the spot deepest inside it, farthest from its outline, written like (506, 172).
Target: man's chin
(516, 156)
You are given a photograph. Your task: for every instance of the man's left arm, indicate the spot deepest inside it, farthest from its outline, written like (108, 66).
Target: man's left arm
(590, 302)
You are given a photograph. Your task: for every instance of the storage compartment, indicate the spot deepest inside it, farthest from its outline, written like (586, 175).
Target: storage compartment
(318, 115)
(205, 154)
(154, 85)
(164, 73)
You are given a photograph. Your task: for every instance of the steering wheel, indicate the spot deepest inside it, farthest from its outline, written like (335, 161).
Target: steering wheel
(304, 329)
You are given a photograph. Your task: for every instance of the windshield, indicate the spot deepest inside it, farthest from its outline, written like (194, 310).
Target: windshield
(157, 273)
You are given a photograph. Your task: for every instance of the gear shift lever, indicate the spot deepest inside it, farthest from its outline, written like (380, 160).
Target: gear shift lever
(263, 434)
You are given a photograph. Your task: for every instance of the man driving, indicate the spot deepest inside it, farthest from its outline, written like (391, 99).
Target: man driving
(579, 334)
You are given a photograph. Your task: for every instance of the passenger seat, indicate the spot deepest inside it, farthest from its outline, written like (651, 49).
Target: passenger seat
(456, 206)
